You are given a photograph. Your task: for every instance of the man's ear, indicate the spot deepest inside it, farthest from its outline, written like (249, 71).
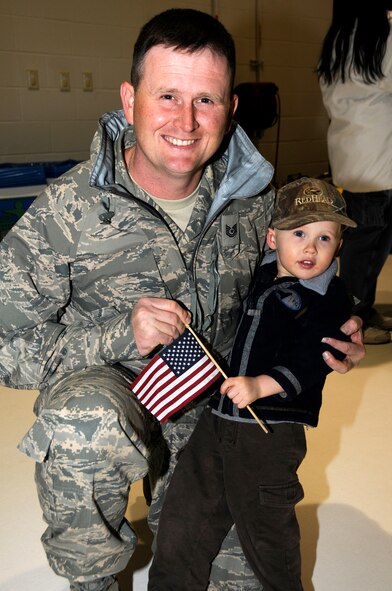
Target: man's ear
(127, 93)
(234, 104)
(271, 238)
(232, 110)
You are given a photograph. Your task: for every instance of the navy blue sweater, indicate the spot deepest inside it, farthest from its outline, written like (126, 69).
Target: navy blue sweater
(280, 335)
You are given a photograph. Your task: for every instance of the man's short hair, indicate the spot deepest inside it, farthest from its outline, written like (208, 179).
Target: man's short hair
(184, 29)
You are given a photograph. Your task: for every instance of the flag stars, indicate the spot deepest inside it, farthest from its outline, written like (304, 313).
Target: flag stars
(182, 354)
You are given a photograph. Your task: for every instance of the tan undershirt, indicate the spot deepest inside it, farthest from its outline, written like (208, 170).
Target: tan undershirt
(180, 210)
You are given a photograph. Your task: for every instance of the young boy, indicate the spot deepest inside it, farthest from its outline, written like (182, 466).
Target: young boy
(231, 471)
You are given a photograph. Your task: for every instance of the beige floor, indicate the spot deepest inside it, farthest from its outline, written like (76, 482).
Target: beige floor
(346, 516)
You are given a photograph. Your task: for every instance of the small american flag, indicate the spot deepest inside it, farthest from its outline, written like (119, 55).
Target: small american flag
(175, 376)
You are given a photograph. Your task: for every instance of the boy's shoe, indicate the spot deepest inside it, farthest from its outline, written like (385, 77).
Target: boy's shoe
(378, 320)
(376, 336)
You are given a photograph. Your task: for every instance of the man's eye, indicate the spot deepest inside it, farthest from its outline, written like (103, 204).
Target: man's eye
(167, 97)
(205, 100)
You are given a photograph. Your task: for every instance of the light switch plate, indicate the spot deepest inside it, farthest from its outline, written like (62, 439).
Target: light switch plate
(32, 80)
(88, 84)
(65, 82)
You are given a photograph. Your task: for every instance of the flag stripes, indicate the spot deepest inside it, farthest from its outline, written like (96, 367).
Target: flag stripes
(174, 377)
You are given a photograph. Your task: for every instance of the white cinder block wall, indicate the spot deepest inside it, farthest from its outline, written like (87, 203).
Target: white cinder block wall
(97, 36)
(346, 517)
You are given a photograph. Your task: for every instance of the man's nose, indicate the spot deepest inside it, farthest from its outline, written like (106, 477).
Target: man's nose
(187, 117)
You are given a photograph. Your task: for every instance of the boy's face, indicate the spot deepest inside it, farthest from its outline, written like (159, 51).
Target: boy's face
(307, 251)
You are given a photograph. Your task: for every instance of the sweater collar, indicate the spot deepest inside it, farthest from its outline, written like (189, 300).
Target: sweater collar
(318, 284)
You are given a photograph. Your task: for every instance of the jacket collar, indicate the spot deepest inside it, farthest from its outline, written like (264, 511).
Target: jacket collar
(318, 284)
(241, 160)
(235, 168)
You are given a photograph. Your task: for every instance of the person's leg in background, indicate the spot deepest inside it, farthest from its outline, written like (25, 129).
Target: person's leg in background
(91, 441)
(363, 254)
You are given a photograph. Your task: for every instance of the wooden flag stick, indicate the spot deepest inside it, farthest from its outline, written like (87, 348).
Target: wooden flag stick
(252, 412)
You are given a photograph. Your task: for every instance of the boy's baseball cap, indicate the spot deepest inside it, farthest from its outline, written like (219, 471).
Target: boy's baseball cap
(308, 200)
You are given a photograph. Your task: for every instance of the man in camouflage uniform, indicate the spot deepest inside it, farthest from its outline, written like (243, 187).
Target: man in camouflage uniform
(164, 224)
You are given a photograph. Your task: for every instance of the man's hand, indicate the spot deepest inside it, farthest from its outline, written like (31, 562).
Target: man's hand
(355, 351)
(157, 321)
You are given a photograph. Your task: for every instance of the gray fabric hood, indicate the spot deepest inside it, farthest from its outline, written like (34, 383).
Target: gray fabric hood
(240, 159)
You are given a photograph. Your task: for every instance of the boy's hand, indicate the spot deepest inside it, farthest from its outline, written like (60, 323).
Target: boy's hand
(241, 390)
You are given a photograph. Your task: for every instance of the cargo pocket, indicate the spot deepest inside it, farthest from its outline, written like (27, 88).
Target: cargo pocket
(35, 444)
(277, 522)
(281, 495)
(85, 465)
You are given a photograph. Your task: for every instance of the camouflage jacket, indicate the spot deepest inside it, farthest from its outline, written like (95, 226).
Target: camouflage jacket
(92, 244)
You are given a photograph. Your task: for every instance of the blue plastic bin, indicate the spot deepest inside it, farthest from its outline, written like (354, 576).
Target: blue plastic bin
(21, 183)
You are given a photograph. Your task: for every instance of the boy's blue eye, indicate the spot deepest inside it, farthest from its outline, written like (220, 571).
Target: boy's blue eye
(324, 238)
(298, 233)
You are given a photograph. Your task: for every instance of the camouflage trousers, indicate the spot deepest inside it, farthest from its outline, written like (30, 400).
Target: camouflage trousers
(91, 441)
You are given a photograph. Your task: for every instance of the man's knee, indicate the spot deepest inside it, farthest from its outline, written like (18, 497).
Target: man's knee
(92, 389)
(98, 391)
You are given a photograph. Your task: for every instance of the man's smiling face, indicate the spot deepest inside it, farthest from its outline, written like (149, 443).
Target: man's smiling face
(180, 111)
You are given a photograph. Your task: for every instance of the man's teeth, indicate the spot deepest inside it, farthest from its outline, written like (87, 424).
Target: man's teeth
(178, 142)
